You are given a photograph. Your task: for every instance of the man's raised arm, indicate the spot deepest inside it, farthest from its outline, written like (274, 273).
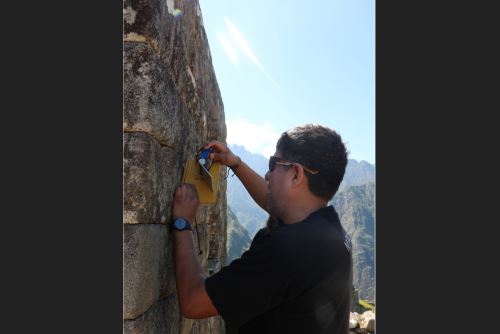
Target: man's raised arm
(255, 184)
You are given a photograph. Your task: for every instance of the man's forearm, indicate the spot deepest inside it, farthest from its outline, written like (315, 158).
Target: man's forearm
(187, 268)
(254, 184)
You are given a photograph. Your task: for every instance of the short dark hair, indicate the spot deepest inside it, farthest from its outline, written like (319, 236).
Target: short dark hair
(318, 148)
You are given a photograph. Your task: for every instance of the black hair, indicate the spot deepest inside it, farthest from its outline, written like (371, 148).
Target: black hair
(317, 148)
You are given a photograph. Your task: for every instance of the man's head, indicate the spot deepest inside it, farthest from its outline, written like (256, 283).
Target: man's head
(321, 154)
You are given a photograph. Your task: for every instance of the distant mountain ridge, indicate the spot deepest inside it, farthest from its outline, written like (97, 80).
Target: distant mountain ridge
(238, 239)
(357, 173)
(356, 209)
(251, 216)
(257, 162)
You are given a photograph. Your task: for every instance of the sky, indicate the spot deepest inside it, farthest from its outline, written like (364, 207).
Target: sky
(280, 64)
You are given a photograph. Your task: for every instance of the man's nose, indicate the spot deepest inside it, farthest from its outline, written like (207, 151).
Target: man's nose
(267, 176)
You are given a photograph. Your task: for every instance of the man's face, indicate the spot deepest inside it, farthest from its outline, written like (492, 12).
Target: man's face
(277, 188)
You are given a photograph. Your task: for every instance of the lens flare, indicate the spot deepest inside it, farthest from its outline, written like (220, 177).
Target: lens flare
(177, 13)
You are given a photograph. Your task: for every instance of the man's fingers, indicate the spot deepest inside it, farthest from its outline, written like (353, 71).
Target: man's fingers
(178, 191)
(190, 191)
(218, 156)
(217, 145)
(184, 190)
(193, 193)
(213, 143)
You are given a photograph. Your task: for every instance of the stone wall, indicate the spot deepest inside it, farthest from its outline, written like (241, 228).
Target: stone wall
(172, 106)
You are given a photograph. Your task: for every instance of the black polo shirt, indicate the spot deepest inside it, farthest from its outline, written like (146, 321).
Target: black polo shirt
(296, 278)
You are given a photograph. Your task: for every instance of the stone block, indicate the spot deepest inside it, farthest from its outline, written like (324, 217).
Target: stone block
(172, 314)
(163, 317)
(150, 98)
(151, 174)
(144, 254)
(181, 44)
(151, 322)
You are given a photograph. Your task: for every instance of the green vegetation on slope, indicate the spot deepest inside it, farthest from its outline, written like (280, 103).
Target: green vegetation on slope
(366, 305)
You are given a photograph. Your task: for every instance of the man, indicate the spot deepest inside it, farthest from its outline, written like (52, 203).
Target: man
(296, 276)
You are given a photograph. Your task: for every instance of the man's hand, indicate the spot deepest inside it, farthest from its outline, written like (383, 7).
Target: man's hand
(223, 154)
(186, 202)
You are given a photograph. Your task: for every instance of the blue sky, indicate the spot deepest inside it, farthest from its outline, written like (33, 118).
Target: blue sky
(282, 63)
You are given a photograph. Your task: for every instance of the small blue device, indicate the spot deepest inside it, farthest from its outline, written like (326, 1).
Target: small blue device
(205, 163)
(203, 158)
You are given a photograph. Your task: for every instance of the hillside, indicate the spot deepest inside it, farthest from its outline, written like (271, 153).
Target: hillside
(357, 173)
(356, 209)
(238, 239)
(250, 215)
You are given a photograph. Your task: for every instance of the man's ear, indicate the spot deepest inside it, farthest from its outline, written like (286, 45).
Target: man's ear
(298, 176)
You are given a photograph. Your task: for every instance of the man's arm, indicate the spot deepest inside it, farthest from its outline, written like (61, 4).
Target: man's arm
(255, 184)
(194, 301)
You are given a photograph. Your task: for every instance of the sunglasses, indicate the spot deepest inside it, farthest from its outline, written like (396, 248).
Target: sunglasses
(273, 161)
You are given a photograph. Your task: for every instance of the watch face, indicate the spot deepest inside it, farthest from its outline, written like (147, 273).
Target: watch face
(180, 224)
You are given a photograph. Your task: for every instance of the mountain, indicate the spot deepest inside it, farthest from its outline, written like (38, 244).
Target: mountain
(251, 216)
(258, 162)
(357, 173)
(356, 208)
(238, 239)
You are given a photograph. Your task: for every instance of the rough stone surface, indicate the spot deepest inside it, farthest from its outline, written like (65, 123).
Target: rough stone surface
(144, 252)
(152, 172)
(367, 320)
(353, 322)
(162, 318)
(370, 326)
(172, 107)
(152, 321)
(176, 46)
(152, 102)
(172, 314)
(210, 325)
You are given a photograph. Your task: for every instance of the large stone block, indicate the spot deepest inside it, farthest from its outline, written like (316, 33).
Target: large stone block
(152, 321)
(161, 318)
(174, 28)
(151, 101)
(168, 286)
(179, 40)
(153, 21)
(144, 252)
(152, 173)
(172, 314)
(155, 105)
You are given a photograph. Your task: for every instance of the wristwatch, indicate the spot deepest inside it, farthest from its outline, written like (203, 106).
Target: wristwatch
(180, 224)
